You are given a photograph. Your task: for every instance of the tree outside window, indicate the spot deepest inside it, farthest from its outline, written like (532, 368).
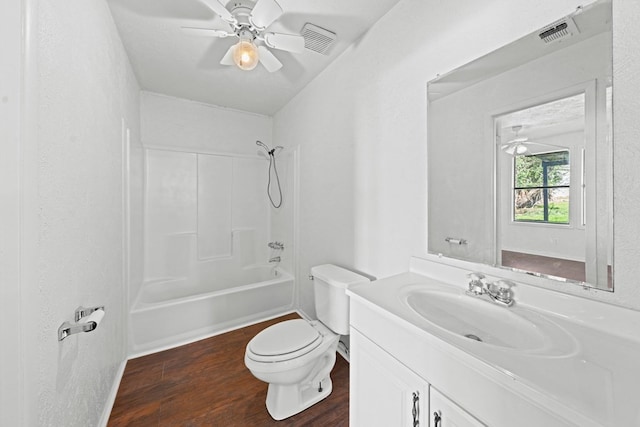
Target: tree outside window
(541, 188)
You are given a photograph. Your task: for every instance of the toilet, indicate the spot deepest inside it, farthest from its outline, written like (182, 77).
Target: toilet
(295, 357)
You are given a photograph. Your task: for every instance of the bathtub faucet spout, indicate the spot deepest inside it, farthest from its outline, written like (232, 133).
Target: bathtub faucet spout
(274, 259)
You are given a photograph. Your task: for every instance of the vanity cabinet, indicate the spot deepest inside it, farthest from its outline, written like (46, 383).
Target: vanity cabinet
(577, 375)
(392, 361)
(384, 392)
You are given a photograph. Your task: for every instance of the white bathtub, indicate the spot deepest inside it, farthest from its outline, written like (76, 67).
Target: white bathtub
(172, 312)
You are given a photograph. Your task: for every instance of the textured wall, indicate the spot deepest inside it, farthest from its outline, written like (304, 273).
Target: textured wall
(10, 78)
(79, 88)
(363, 155)
(626, 128)
(194, 126)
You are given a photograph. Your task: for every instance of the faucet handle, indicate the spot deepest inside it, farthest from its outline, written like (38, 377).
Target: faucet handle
(476, 283)
(503, 284)
(503, 290)
(475, 276)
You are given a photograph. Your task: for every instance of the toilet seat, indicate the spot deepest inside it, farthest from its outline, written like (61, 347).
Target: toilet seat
(284, 341)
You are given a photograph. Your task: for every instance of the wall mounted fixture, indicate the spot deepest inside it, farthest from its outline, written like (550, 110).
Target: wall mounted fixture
(455, 241)
(87, 320)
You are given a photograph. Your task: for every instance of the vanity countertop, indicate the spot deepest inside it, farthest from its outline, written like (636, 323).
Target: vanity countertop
(597, 379)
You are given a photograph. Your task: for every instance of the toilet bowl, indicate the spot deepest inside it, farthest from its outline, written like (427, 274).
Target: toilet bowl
(298, 374)
(295, 357)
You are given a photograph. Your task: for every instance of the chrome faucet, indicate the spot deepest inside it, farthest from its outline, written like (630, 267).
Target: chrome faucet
(498, 291)
(274, 259)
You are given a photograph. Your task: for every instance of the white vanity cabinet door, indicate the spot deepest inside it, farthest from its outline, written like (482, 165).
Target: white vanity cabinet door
(444, 413)
(383, 392)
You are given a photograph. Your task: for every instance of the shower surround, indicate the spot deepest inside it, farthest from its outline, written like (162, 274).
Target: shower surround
(206, 229)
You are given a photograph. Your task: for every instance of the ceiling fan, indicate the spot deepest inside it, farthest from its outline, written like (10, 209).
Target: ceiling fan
(247, 22)
(521, 145)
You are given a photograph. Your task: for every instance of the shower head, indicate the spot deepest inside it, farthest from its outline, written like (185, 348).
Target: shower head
(269, 151)
(263, 145)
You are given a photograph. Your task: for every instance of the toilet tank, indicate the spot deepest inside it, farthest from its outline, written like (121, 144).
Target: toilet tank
(330, 283)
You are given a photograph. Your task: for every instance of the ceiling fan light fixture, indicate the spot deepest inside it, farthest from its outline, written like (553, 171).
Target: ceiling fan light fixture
(248, 20)
(245, 54)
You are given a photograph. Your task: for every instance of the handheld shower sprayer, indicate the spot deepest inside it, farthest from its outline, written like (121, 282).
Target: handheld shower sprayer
(263, 145)
(271, 152)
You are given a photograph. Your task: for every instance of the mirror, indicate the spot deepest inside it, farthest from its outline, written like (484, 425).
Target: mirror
(520, 154)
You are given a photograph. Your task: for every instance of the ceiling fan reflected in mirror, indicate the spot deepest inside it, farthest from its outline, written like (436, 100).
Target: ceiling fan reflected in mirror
(522, 146)
(248, 21)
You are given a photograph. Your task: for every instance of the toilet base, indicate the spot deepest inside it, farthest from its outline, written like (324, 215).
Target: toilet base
(285, 400)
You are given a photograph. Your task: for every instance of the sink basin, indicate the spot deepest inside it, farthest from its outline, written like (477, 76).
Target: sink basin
(477, 320)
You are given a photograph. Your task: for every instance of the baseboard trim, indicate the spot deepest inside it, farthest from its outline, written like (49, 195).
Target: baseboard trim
(111, 399)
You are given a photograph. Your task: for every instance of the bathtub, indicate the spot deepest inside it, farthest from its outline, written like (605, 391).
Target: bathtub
(174, 311)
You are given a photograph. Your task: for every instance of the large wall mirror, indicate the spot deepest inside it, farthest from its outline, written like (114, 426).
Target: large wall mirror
(520, 154)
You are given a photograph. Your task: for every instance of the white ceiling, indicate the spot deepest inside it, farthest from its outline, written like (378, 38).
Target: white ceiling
(168, 61)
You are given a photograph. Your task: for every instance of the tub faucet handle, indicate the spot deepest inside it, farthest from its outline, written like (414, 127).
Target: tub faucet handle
(276, 245)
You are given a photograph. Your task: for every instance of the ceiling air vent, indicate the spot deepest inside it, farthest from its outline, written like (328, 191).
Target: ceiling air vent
(317, 39)
(558, 31)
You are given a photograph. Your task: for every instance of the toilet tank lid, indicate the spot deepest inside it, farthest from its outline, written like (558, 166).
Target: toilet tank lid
(337, 276)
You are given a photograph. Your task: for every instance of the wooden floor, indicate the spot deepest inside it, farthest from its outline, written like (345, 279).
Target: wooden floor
(574, 270)
(207, 384)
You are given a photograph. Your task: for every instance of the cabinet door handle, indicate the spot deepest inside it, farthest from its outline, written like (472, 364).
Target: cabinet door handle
(436, 419)
(415, 411)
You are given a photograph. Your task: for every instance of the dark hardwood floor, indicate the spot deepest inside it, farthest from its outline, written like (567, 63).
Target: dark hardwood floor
(206, 384)
(574, 270)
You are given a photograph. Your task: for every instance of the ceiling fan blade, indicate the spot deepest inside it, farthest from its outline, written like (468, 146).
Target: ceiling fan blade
(220, 10)
(268, 59)
(519, 139)
(264, 13)
(206, 32)
(288, 42)
(227, 59)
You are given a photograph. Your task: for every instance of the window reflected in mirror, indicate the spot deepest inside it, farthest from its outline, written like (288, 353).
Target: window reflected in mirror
(542, 184)
(540, 190)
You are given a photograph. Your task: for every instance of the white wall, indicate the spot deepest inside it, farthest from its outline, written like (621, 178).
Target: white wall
(626, 157)
(197, 127)
(361, 129)
(10, 119)
(79, 87)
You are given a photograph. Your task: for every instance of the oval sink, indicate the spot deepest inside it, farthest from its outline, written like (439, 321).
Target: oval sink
(477, 320)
